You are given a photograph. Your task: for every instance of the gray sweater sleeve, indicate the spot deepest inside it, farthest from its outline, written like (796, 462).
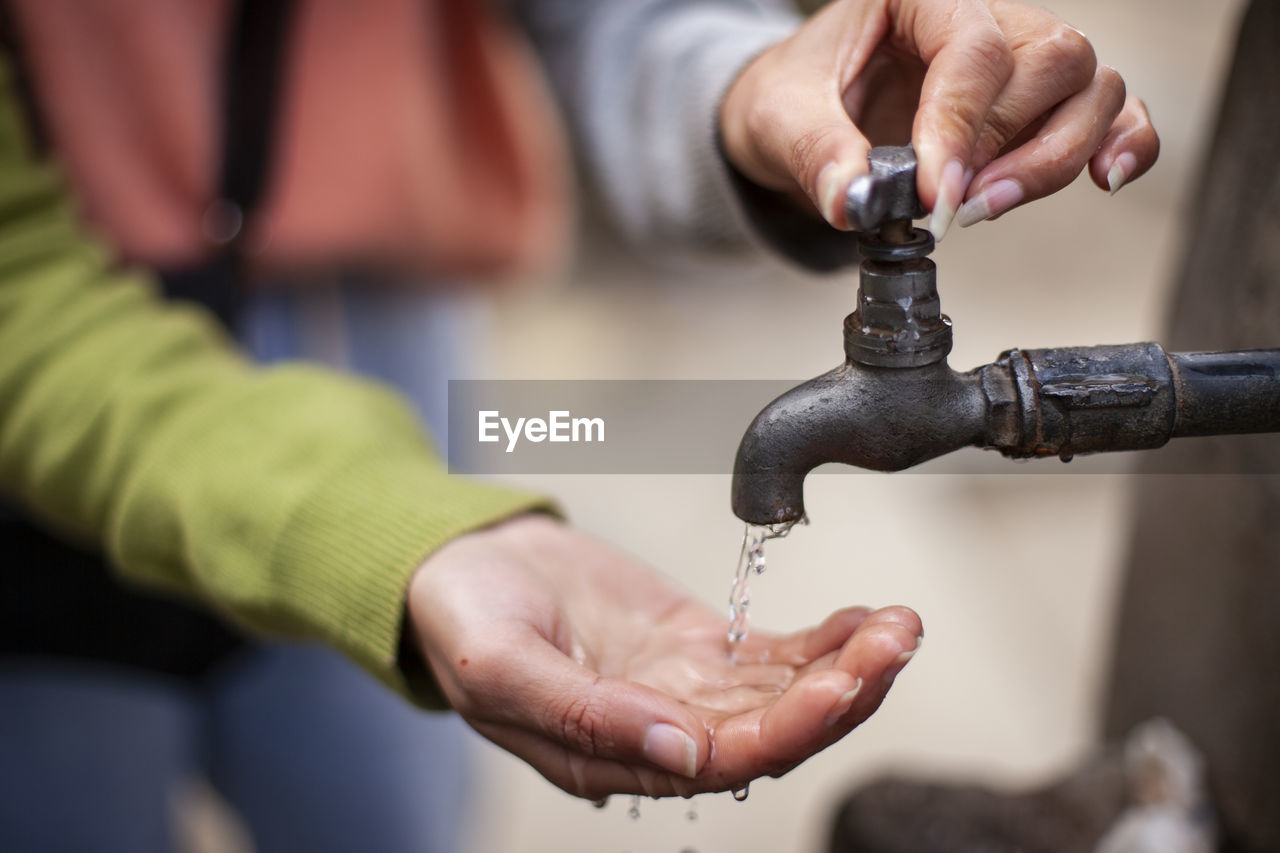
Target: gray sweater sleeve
(640, 82)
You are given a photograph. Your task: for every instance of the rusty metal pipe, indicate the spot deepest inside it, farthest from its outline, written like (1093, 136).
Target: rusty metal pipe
(1028, 403)
(1227, 392)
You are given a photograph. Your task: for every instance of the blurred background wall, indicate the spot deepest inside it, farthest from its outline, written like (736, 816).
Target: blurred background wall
(1014, 573)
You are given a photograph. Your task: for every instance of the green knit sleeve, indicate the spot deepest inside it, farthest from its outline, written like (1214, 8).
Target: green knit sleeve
(292, 500)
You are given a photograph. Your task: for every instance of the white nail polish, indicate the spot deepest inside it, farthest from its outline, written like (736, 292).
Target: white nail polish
(973, 211)
(951, 189)
(992, 201)
(1115, 178)
(1121, 168)
(843, 704)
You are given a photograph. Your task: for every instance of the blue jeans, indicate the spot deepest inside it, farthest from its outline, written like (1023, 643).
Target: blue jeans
(312, 753)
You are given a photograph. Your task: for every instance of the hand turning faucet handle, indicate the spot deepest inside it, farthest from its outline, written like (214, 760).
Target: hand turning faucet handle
(887, 194)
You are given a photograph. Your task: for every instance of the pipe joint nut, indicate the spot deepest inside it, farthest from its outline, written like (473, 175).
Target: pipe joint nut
(899, 320)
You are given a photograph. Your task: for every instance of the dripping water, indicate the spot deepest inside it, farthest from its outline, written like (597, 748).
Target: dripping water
(740, 794)
(751, 561)
(634, 811)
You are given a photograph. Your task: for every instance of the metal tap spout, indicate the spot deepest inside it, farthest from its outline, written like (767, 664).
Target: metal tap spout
(879, 418)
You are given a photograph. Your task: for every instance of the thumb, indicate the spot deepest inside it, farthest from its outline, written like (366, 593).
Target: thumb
(784, 124)
(570, 704)
(803, 138)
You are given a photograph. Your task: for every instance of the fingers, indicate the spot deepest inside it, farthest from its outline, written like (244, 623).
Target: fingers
(832, 634)
(1053, 62)
(1050, 161)
(806, 130)
(804, 646)
(1129, 149)
(820, 707)
(784, 123)
(969, 64)
(545, 692)
(583, 775)
(996, 75)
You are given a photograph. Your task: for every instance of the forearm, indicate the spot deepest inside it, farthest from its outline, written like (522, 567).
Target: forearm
(296, 502)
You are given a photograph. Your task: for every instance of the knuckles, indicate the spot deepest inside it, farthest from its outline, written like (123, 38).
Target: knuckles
(1112, 85)
(1070, 53)
(809, 152)
(584, 723)
(993, 57)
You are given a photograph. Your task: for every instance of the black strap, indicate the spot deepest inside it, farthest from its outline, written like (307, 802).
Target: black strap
(253, 69)
(60, 601)
(14, 47)
(251, 94)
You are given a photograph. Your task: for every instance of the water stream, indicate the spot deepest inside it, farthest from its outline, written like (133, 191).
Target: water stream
(751, 561)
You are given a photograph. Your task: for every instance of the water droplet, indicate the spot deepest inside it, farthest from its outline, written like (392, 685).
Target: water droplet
(600, 803)
(634, 811)
(740, 794)
(692, 812)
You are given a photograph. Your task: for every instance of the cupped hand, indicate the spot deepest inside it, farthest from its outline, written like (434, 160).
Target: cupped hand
(608, 679)
(1003, 102)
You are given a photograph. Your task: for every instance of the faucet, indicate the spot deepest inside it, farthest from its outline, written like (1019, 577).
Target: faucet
(895, 402)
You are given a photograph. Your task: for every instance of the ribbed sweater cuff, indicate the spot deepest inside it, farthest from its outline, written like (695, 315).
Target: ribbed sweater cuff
(345, 559)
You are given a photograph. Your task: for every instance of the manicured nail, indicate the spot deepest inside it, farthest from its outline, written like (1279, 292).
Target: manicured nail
(951, 189)
(671, 749)
(843, 704)
(992, 201)
(903, 658)
(1121, 168)
(833, 183)
(892, 671)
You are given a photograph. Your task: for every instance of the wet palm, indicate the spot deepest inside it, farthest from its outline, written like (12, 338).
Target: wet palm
(607, 678)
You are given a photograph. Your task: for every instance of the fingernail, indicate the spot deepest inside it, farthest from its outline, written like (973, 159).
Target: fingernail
(671, 749)
(992, 201)
(1121, 168)
(951, 189)
(892, 671)
(833, 182)
(843, 704)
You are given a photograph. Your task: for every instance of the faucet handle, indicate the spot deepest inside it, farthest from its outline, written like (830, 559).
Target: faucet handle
(887, 193)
